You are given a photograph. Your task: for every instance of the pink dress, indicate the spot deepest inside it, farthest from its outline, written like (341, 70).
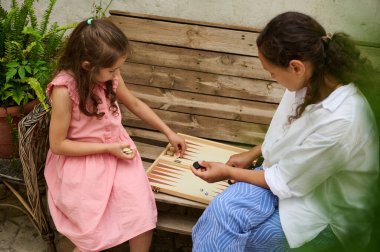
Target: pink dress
(97, 201)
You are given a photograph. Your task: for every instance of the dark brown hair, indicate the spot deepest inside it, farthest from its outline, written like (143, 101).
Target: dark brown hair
(101, 43)
(296, 36)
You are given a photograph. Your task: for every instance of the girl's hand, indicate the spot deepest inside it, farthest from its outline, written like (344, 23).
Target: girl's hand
(212, 171)
(122, 151)
(178, 143)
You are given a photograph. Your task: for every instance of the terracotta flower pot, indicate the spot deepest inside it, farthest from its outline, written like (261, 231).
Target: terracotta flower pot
(9, 118)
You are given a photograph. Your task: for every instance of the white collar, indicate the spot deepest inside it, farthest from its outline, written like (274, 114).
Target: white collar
(336, 98)
(331, 102)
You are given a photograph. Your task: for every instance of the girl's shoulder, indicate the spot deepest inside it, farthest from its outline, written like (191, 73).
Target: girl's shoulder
(65, 79)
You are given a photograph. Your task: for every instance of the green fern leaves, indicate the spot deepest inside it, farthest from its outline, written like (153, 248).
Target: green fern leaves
(28, 52)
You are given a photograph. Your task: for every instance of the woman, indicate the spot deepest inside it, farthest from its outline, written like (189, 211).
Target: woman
(318, 180)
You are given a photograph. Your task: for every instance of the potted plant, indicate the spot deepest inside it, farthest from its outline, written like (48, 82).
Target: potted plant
(28, 53)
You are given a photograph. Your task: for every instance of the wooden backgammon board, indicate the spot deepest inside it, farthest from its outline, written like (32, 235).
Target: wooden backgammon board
(172, 175)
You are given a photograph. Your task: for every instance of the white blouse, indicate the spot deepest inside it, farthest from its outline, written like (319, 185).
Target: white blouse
(324, 166)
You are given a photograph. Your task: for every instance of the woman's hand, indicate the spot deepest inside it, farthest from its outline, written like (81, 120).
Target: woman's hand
(121, 150)
(212, 171)
(178, 143)
(241, 160)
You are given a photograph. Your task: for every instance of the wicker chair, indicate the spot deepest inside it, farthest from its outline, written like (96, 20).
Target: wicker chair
(33, 146)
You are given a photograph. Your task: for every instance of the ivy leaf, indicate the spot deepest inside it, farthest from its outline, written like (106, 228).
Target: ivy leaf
(10, 74)
(12, 64)
(40, 62)
(28, 69)
(21, 72)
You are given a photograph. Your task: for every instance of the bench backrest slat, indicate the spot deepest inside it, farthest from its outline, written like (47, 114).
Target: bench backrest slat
(188, 35)
(203, 83)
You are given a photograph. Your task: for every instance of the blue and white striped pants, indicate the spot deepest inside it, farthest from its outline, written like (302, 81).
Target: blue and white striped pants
(242, 218)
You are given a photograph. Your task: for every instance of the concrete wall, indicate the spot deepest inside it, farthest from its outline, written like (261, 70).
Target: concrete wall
(361, 19)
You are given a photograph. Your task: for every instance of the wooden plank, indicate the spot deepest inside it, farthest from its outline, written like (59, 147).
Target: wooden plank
(146, 165)
(203, 83)
(146, 134)
(205, 127)
(147, 151)
(187, 35)
(181, 20)
(205, 105)
(169, 199)
(175, 223)
(197, 60)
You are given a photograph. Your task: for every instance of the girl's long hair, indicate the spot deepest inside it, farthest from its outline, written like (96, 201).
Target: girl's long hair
(101, 43)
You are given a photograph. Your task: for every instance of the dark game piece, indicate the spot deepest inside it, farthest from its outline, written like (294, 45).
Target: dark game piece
(197, 166)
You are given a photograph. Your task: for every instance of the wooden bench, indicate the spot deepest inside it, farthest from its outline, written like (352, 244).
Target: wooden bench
(203, 80)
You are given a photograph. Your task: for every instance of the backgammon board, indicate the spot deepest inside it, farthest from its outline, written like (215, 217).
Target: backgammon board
(172, 175)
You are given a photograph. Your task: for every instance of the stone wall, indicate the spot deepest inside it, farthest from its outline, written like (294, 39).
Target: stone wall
(361, 19)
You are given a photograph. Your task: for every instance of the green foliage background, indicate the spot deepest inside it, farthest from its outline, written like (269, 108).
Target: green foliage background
(28, 52)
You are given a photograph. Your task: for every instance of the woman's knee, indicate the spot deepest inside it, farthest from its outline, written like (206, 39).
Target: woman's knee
(221, 205)
(236, 197)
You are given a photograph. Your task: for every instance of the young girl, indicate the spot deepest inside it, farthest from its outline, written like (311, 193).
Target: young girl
(99, 195)
(318, 181)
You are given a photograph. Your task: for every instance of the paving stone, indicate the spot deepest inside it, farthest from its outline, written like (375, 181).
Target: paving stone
(2, 216)
(28, 239)
(21, 220)
(8, 230)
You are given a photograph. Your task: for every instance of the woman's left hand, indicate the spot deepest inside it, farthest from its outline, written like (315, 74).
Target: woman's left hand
(178, 143)
(212, 171)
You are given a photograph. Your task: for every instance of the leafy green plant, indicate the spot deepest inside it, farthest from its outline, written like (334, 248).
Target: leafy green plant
(28, 52)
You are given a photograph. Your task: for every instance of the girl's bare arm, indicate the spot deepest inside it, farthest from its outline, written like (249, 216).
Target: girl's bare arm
(141, 110)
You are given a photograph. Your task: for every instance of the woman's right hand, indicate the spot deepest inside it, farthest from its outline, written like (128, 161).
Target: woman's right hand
(119, 150)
